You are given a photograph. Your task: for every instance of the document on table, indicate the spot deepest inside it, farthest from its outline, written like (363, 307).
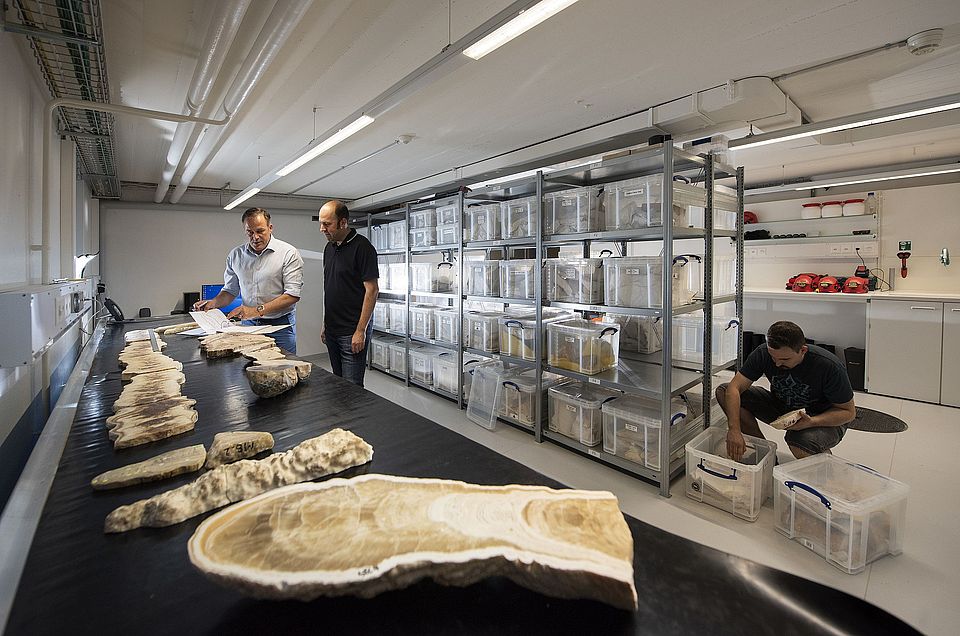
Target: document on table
(214, 321)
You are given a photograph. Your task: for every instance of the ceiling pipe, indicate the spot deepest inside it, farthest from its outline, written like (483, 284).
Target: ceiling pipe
(282, 20)
(224, 24)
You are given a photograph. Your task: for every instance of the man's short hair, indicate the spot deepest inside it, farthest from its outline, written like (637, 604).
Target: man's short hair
(340, 209)
(254, 212)
(785, 334)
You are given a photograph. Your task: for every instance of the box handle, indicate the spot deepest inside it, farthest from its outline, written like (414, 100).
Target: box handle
(809, 489)
(613, 329)
(612, 397)
(678, 416)
(439, 265)
(610, 252)
(511, 383)
(732, 477)
(512, 323)
(732, 323)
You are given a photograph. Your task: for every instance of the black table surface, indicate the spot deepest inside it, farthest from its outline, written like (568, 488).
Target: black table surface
(78, 580)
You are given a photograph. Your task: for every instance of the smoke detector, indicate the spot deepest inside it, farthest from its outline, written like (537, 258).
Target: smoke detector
(925, 41)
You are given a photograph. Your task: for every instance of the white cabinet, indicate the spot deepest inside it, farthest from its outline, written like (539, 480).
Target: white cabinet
(904, 348)
(950, 369)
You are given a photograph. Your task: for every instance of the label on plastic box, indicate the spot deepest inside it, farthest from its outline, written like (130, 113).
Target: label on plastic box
(568, 202)
(569, 339)
(633, 271)
(631, 427)
(593, 380)
(596, 308)
(571, 407)
(633, 193)
(593, 453)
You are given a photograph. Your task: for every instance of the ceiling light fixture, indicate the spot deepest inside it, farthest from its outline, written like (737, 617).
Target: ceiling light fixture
(890, 176)
(525, 21)
(884, 115)
(313, 151)
(240, 198)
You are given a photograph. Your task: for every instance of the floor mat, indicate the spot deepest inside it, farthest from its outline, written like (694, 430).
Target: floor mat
(876, 422)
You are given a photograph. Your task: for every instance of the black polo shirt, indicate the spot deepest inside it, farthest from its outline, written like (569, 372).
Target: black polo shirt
(345, 268)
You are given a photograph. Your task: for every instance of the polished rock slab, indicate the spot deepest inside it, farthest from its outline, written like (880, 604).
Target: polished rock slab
(230, 447)
(151, 422)
(170, 464)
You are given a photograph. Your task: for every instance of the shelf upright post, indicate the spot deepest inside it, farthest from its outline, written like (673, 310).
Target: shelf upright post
(406, 298)
(739, 259)
(370, 237)
(709, 183)
(459, 300)
(540, 330)
(666, 371)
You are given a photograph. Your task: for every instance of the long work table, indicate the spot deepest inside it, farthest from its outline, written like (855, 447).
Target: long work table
(78, 580)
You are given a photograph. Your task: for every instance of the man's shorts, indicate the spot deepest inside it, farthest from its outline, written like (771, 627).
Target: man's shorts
(766, 407)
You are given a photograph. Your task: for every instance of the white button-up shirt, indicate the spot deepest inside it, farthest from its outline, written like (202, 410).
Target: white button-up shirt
(259, 278)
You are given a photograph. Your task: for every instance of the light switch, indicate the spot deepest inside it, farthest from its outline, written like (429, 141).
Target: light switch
(834, 249)
(846, 249)
(761, 251)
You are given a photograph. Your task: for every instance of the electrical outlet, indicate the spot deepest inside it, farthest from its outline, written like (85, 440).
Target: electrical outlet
(846, 249)
(752, 251)
(834, 249)
(868, 249)
(761, 251)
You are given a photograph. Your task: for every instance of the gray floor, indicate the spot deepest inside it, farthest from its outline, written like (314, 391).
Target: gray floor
(920, 586)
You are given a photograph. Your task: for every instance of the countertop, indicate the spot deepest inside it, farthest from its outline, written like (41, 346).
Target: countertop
(783, 294)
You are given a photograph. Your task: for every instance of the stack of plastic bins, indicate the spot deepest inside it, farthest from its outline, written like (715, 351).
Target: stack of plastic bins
(518, 278)
(518, 399)
(573, 211)
(381, 316)
(433, 277)
(380, 352)
(845, 512)
(398, 277)
(637, 203)
(446, 326)
(421, 321)
(631, 429)
(398, 358)
(398, 317)
(739, 487)
(482, 222)
(481, 278)
(397, 235)
(421, 364)
(574, 280)
(485, 393)
(518, 334)
(639, 334)
(583, 346)
(575, 411)
(481, 332)
(518, 218)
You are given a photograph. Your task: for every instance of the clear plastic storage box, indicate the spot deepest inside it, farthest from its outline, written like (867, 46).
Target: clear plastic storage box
(486, 391)
(631, 428)
(573, 211)
(398, 317)
(518, 333)
(381, 315)
(423, 237)
(480, 331)
(398, 357)
(421, 364)
(481, 278)
(397, 235)
(380, 352)
(446, 326)
(574, 280)
(574, 411)
(688, 338)
(518, 397)
(740, 487)
(846, 513)
(724, 210)
(583, 346)
(640, 334)
(518, 278)
(384, 276)
(447, 234)
(423, 218)
(398, 277)
(518, 218)
(447, 214)
(379, 237)
(482, 222)
(637, 203)
(421, 320)
(633, 281)
(433, 277)
(445, 370)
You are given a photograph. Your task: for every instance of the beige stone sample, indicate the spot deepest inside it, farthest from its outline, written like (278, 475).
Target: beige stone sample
(303, 367)
(224, 345)
(375, 533)
(146, 423)
(157, 377)
(230, 447)
(136, 335)
(785, 421)
(135, 394)
(176, 462)
(150, 364)
(268, 382)
(170, 329)
(324, 455)
(260, 355)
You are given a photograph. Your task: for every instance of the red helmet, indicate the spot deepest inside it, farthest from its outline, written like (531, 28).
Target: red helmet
(803, 283)
(828, 285)
(856, 285)
(750, 217)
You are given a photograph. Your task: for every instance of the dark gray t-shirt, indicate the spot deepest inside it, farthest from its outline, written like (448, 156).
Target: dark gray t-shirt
(815, 384)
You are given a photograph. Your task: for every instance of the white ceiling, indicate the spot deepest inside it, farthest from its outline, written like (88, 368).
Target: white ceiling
(593, 62)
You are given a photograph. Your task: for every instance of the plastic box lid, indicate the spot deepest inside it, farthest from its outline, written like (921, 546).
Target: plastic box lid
(583, 328)
(644, 411)
(529, 321)
(848, 487)
(526, 381)
(583, 394)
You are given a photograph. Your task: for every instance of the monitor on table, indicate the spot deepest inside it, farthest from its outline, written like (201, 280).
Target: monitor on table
(208, 292)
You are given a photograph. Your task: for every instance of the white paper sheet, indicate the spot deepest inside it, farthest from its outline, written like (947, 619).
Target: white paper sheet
(214, 321)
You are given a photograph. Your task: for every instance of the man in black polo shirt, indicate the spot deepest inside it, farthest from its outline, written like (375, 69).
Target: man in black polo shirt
(350, 291)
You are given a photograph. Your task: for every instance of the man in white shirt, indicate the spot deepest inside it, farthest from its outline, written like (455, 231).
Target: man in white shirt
(267, 274)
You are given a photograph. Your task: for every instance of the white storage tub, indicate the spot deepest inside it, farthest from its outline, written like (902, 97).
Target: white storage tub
(741, 487)
(518, 278)
(447, 234)
(397, 235)
(518, 397)
(423, 237)
(518, 333)
(446, 325)
(433, 277)
(854, 207)
(573, 211)
(574, 280)
(810, 211)
(421, 321)
(831, 209)
(480, 331)
(398, 277)
(637, 203)
(398, 317)
(631, 428)
(583, 346)
(447, 214)
(482, 222)
(423, 218)
(845, 512)
(575, 411)
(481, 278)
(640, 334)
(518, 218)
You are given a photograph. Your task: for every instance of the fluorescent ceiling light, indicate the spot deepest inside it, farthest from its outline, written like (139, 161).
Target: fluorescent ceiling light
(882, 116)
(240, 198)
(313, 152)
(518, 26)
(887, 177)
